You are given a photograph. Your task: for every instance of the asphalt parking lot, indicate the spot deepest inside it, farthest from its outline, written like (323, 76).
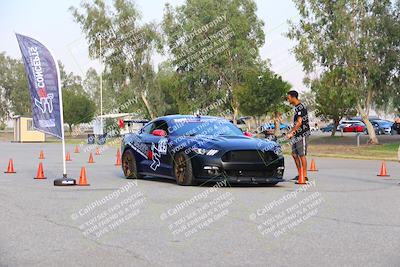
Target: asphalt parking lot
(346, 216)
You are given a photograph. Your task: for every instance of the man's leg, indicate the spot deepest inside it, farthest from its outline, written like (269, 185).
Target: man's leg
(302, 149)
(303, 160)
(297, 161)
(296, 158)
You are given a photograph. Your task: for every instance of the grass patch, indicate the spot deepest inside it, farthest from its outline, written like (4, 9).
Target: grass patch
(383, 148)
(374, 152)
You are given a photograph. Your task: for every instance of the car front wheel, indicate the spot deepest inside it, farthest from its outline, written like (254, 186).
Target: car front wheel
(183, 170)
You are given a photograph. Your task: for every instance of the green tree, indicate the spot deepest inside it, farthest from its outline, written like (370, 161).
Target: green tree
(78, 108)
(69, 80)
(264, 93)
(91, 85)
(116, 37)
(14, 93)
(333, 99)
(212, 43)
(358, 36)
(165, 86)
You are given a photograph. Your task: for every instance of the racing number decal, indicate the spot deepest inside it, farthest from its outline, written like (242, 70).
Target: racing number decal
(161, 149)
(162, 146)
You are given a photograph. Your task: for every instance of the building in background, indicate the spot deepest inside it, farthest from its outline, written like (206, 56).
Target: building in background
(24, 132)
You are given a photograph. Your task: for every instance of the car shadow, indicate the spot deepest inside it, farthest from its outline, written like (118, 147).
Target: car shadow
(205, 184)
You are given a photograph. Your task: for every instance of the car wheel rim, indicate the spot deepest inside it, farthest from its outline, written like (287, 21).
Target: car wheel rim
(180, 169)
(127, 163)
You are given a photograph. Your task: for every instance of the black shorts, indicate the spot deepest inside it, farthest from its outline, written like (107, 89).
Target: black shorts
(299, 147)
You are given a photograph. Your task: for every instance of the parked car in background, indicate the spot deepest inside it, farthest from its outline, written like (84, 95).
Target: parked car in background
(269, 128)
(396, 126)
(241, 123)
(357, 127)
(328, 128)
(346, 123)
(382, 126)
(314, 127)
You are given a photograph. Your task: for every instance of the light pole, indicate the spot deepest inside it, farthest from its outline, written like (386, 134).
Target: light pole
(101, 91)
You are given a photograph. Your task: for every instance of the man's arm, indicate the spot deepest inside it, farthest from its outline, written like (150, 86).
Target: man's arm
(296, 127)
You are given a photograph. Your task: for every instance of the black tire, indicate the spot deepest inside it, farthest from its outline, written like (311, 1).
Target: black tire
(183, 170)
(129, 166)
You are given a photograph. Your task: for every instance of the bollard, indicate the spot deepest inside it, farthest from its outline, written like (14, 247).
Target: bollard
(358, 139)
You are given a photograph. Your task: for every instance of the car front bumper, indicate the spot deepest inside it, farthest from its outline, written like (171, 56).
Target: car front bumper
(214, 169)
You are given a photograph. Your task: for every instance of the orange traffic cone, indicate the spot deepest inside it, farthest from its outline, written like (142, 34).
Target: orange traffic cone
(302, 179)
(10, 168)
(91, 158)
(41, 156)
(40, 172)
(313, 168)
(97, 151)
(68, 157)
(82, 178)
(76, 149)
(383, 171)
(118, 163)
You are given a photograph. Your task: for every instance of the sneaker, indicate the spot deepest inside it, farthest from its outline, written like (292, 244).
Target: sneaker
(297, 178)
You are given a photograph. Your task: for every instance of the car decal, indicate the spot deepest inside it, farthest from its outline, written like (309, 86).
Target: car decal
(156, 157)
(138, 150)
(163, 146)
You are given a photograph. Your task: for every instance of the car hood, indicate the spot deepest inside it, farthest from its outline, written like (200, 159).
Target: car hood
(231, 143)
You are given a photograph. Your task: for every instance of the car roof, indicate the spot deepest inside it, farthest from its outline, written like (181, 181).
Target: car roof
(382, 121)
(349, 121)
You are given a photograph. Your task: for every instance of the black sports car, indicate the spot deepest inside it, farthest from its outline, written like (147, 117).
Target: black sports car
(194, 149)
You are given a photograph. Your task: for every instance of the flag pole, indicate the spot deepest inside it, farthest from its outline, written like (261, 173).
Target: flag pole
(101, 91)
(62, 122)
(64, 181)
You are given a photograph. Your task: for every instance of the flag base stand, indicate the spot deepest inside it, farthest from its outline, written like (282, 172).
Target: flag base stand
(64, 181)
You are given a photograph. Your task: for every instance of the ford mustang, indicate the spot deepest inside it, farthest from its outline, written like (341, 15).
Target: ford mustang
(196, 149)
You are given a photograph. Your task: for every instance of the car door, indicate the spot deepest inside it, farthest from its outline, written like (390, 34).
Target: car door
(159, 160)
(142, 142)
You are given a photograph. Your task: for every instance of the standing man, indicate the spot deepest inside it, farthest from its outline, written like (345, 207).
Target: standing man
(298, 135)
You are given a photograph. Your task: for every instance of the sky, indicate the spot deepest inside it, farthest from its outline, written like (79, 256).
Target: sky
(50, 22)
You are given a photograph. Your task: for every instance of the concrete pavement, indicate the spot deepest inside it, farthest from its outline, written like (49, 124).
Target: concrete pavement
(347, 216)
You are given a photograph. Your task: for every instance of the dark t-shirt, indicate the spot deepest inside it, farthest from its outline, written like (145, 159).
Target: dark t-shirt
(301, 111)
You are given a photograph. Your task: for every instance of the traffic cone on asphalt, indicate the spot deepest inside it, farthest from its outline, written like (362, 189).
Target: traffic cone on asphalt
(68, 157)
(302, 179)
(10, 168)
(76, 149)
(118, 163)
(40, 172)
(82, 178)
(41, 155)
(313, 168)
(97, 151)
(91, 158)
(383, 171)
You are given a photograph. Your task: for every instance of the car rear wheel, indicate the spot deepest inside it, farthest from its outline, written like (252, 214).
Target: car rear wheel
(183, 170)
(129, 165)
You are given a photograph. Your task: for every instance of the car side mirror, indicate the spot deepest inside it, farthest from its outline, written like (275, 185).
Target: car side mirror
(248, 134)
(159, 132)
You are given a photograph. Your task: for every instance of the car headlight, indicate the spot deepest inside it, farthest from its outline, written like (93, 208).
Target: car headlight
(203, 151)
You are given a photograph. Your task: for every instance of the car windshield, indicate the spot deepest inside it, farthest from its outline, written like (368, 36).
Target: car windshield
(204, 127)
(384, 123)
